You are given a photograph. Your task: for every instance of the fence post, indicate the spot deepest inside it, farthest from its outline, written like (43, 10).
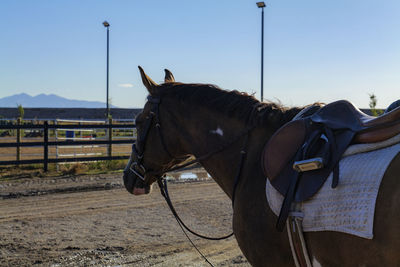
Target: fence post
(18, 141)
(56, 137)
(46, 146)
(110, 133)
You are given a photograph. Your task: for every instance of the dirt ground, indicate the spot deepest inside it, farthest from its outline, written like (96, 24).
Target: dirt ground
(94, 221)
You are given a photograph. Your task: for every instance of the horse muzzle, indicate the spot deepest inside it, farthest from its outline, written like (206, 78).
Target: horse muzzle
(134, 183)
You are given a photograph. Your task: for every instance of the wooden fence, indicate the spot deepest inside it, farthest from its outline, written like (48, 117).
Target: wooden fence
(45, 127)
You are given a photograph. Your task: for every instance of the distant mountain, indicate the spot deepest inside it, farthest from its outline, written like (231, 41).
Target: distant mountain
(47, 101)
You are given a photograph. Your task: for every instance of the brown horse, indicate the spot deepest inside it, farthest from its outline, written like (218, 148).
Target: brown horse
(211, 124)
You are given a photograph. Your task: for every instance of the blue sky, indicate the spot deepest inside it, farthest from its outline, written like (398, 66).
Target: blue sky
(314, 50)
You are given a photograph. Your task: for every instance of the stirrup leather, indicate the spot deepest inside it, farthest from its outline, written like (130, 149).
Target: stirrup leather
(296, 239)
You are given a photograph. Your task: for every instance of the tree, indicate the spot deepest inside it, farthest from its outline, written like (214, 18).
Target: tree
(373, 100)
(21, 111)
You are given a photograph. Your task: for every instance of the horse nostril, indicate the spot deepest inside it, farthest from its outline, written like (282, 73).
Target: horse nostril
(128, 182)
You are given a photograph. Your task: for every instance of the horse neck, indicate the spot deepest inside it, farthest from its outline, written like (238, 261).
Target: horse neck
(203, 132)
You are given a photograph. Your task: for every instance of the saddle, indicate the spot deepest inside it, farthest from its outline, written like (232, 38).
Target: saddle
(299, 157)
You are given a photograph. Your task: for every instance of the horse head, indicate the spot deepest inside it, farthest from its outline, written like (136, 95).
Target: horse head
(155, 150)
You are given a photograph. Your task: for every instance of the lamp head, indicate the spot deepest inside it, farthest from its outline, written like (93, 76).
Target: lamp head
(106, 24)
(261, 4)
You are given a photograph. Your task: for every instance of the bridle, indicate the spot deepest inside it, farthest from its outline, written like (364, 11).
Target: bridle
(139, 146)
(141, 171)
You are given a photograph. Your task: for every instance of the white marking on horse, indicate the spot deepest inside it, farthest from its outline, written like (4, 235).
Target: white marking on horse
(315, 263)
(218, 131)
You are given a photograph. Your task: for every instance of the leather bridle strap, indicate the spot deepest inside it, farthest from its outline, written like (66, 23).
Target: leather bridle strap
(156, 101)
(153, 114)
(239, 172)
(206, 156)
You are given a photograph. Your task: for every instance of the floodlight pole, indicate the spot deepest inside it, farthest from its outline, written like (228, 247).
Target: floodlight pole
(107, 25)
(108, 119)
(262, 5)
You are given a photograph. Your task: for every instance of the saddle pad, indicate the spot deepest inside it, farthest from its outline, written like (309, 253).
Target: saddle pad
(349, 207)
(361, 148)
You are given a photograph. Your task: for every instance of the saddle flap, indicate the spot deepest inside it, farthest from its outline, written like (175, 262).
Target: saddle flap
(282, 147)
(281, 150)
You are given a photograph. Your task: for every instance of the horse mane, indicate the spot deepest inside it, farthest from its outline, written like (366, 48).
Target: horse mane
(231, 103)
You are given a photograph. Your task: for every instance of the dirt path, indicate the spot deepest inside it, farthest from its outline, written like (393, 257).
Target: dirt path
(45, 222)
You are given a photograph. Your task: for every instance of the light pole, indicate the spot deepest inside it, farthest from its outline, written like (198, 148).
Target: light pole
(107, 25)
(262, 5)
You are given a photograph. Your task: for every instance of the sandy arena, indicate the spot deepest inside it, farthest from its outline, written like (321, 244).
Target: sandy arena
(93, 221)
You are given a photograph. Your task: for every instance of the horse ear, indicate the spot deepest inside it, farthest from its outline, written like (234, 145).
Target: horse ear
(169, 78)
(148, 82)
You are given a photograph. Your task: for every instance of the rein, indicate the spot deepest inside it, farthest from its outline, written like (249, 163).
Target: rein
(162, 183)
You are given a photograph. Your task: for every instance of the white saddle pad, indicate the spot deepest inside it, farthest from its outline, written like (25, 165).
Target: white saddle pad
(349, 207)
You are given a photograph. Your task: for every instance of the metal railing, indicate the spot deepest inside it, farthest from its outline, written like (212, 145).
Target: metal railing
(45, 127)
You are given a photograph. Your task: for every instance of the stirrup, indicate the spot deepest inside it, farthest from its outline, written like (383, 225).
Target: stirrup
(308, 164)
